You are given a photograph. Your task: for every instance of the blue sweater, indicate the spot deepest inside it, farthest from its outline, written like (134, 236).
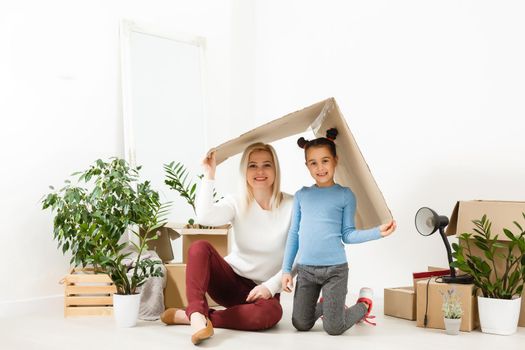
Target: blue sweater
(322, 220)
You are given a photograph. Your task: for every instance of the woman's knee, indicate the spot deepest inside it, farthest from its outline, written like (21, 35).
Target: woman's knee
(267, 314)
(199, 247)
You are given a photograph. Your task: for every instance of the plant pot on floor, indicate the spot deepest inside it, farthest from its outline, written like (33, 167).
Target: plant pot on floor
(126, 309)
(499, 316)
(452, 325)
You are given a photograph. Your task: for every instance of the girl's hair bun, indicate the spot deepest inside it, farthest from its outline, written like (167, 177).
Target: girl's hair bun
(331, 134)
(301, 142)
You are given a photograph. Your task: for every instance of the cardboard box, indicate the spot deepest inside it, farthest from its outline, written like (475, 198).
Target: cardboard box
(400, 302)
(501, 214)
(162, 245)
(175, 291)
(218, 238)
(352, 170)
(424, 276)
(469, 304)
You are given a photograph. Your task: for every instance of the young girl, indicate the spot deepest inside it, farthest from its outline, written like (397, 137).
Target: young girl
(322, 220)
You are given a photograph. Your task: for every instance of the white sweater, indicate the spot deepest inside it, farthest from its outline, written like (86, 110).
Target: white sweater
(259, 236)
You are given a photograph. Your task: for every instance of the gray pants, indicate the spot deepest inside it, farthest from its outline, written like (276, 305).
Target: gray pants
(332, 281)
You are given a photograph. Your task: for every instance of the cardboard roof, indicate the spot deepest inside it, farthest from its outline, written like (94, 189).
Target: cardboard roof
(352, 170)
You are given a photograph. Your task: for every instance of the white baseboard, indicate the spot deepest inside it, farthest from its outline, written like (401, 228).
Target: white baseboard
(22, 307)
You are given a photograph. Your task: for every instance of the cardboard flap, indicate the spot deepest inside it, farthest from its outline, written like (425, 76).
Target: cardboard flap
(219, 230)
(453, 223)
(501, 214)
(407, 290)
(352, 170)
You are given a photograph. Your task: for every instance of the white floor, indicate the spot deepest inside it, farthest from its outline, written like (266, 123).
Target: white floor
(52, 331)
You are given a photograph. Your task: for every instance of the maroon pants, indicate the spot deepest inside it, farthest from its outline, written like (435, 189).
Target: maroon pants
(207, 271)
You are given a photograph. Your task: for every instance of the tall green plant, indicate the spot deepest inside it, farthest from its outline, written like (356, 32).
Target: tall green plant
(129, 274)
(177, 179)
(493, 283)
(92, 216)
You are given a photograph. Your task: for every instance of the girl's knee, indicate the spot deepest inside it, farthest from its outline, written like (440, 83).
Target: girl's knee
(333, 329)
(302, 325)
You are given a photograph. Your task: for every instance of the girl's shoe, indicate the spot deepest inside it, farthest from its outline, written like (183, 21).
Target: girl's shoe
(203, 334)
(366, 296)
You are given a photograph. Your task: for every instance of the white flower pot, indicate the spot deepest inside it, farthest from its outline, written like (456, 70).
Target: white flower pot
(126, 309)
(499, 316)
(452, 325)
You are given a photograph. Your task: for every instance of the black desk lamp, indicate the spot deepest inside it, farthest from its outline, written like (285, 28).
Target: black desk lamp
(428, 222)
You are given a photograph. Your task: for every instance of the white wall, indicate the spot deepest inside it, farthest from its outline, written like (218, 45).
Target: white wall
(433, 92)
(60, 109)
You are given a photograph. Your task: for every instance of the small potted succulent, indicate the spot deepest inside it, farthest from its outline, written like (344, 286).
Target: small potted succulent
(452, 311)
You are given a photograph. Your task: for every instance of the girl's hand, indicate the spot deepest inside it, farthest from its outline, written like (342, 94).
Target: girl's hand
(287, 282)
(209, 164)
(387, 229)
(259, 292)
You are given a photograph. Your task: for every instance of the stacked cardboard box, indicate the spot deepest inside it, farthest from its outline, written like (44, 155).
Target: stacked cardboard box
(175, 291)
(400, 302)
(501, 214)
(430, 300)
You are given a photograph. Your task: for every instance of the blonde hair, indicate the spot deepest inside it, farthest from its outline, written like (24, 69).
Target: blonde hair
(246, 190)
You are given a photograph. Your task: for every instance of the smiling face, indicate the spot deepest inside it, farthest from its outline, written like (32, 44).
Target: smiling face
(260, 173)
(321, 164)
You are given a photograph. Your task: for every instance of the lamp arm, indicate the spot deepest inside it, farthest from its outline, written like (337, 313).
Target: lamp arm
(449, 251)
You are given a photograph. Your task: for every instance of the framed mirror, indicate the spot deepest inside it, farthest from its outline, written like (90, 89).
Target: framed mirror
(164, 106)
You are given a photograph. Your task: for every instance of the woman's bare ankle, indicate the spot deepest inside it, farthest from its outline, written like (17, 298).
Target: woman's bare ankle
(198, 321)
(181, 317)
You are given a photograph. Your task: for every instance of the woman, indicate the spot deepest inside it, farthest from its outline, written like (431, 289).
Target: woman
(247, 281)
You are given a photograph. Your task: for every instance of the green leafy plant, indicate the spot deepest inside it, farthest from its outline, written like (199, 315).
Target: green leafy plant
(92, 216)
(177, 179)
(451, 304)
(493, 283)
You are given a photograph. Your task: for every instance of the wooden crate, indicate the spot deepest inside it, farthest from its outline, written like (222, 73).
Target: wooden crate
(88, 294)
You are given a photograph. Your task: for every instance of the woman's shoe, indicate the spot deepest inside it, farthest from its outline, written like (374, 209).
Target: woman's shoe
(203, 334)
(169, 317)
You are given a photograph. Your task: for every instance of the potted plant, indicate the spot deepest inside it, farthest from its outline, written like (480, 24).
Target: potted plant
(501, 288)
(177, 179)
(92, 221)
(452, 311)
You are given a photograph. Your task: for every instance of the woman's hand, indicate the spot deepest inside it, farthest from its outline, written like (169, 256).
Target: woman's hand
(209, 164)
(387, 229)
(287, 282)
(259, 292)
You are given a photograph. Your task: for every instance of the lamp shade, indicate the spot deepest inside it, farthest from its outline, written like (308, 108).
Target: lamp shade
(426, 221)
